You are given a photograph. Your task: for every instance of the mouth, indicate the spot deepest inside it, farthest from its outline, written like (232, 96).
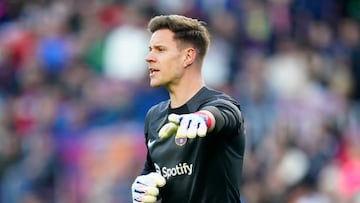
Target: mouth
(152, 71)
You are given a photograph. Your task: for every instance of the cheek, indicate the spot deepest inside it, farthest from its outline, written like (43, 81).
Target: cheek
(178, 73)
(171, 66)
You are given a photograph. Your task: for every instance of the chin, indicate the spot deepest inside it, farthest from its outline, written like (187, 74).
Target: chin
(154, 85)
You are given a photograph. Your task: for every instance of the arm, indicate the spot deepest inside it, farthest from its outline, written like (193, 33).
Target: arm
(145, 188)
(227, 115)
(212, 118)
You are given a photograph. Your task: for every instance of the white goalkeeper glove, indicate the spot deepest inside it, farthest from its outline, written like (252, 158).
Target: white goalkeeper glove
(145, 188)
(188, 125)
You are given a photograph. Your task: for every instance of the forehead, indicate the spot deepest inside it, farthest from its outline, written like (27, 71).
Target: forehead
(162, 37)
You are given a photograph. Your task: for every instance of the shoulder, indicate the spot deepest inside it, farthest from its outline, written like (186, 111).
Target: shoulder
(216, 98)
(224, 103)
(156, 114)
(158, 108)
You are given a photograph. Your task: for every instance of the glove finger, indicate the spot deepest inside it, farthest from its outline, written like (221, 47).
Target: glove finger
(192, 130)
(153, 191)
(183, 128)
(174, 118)
(167, 130)
(159, 180)
(149, 199)
(202, 130)
(146, 190)
(138, 197)
(139, 188)
(144, 198)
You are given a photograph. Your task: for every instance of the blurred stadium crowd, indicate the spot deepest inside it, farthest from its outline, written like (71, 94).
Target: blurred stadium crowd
(74, 92)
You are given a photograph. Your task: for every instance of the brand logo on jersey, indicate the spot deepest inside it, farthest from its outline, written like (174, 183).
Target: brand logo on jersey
(151, 143)
(180, 140)
(178, 170)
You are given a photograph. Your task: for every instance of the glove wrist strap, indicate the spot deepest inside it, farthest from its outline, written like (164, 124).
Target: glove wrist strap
(210, 123)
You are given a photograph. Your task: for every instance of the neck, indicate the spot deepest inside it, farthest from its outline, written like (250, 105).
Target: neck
(182, 93)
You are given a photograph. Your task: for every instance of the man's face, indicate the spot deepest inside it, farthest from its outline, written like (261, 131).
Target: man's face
(165, 59)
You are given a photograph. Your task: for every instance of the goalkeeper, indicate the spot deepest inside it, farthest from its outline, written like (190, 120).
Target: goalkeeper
(195, 140)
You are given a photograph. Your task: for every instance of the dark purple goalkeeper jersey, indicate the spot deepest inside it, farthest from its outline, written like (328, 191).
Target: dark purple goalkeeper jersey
(204, 169)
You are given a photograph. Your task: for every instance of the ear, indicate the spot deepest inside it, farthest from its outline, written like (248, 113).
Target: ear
(190, 56)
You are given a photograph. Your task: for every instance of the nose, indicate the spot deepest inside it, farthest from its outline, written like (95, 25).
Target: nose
(149, 57)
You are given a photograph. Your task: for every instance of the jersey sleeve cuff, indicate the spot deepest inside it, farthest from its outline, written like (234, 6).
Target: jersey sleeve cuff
(215, 117)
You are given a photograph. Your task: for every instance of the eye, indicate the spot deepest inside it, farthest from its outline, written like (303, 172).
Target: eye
(157, 49)
(161, 49)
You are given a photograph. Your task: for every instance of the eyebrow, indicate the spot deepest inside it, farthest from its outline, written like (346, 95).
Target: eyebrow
(156, 47)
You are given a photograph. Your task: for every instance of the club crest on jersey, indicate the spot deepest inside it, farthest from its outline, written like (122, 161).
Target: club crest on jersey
(180, 141)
